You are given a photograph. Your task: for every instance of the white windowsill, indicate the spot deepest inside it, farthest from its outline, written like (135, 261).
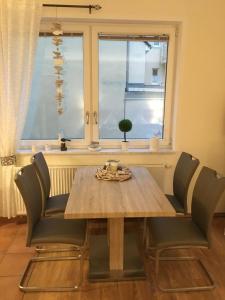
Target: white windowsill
(82, 157)
(76, 151)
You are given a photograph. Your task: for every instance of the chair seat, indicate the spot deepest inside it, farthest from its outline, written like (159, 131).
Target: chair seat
(175, 203)
(172, 232)
(56, 204)
(54, 230)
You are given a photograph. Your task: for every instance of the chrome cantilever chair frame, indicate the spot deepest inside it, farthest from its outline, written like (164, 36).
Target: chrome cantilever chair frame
(157, 258)
(208, 190)
(81, 256)
(40, 249)
(32, 197)
(26, 288)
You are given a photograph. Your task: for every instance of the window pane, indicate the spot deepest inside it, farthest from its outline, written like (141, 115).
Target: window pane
(132, 76)
(43, 120)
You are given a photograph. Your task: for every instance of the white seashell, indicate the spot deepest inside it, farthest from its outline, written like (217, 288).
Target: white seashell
(58, 61)
(57, 32)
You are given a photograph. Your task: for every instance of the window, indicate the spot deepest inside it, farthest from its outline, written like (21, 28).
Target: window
(43, 122)
(126, 87)
(110, 72)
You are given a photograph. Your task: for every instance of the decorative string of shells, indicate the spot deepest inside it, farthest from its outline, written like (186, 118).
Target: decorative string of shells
(106, 173)
(58, 65)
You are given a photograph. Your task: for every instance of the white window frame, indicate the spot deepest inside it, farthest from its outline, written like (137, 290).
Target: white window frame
(133, 29)
(90, 33)
(85, 30)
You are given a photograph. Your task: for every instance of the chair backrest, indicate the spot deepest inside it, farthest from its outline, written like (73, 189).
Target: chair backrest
(208, 190)
(29, 186)
(41, 167)
(184, 171)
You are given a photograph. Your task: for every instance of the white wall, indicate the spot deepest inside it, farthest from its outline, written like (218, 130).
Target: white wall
(200, 85)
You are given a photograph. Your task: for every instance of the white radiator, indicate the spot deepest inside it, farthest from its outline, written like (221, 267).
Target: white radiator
(61, 182)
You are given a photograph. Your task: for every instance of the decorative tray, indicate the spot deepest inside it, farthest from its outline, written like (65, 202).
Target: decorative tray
(106, 173)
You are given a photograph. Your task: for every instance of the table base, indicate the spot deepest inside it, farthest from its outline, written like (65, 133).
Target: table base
(99, 260)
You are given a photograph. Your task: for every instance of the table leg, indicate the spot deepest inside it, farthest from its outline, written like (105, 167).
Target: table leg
(116, 243)
(115, 255)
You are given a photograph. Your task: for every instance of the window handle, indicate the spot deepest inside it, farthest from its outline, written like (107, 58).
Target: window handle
(87, 115)
(95, 115)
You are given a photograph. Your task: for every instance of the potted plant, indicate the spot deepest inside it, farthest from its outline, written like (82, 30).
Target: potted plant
(125, 125)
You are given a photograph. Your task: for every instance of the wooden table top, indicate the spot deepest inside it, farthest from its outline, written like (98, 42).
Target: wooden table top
(139, 196)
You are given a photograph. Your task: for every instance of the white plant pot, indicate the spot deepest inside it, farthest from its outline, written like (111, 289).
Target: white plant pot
(154, 144)
(124, 145)
(47, 147)
(33, 148)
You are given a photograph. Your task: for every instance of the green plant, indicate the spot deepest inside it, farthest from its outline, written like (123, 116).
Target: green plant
(125, 125)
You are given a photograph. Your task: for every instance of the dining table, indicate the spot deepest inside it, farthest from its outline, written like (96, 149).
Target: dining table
(114, 254)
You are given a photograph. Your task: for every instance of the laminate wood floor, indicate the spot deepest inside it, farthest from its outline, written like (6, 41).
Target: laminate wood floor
(14, 256)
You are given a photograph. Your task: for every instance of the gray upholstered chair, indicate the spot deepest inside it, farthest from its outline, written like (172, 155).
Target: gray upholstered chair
(184, 171)
(51, 205)
(48, 230)
(177, 232)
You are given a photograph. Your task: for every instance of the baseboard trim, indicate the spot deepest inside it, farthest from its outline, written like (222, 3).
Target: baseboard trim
(20, 219)
(219, 214)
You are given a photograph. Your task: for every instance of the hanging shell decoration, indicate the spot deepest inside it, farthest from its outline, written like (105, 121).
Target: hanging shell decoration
(58, 65)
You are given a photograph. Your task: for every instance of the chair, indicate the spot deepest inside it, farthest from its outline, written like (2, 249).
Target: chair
(178, 233)
(184, 171)
(48, 230)
(54, 205)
